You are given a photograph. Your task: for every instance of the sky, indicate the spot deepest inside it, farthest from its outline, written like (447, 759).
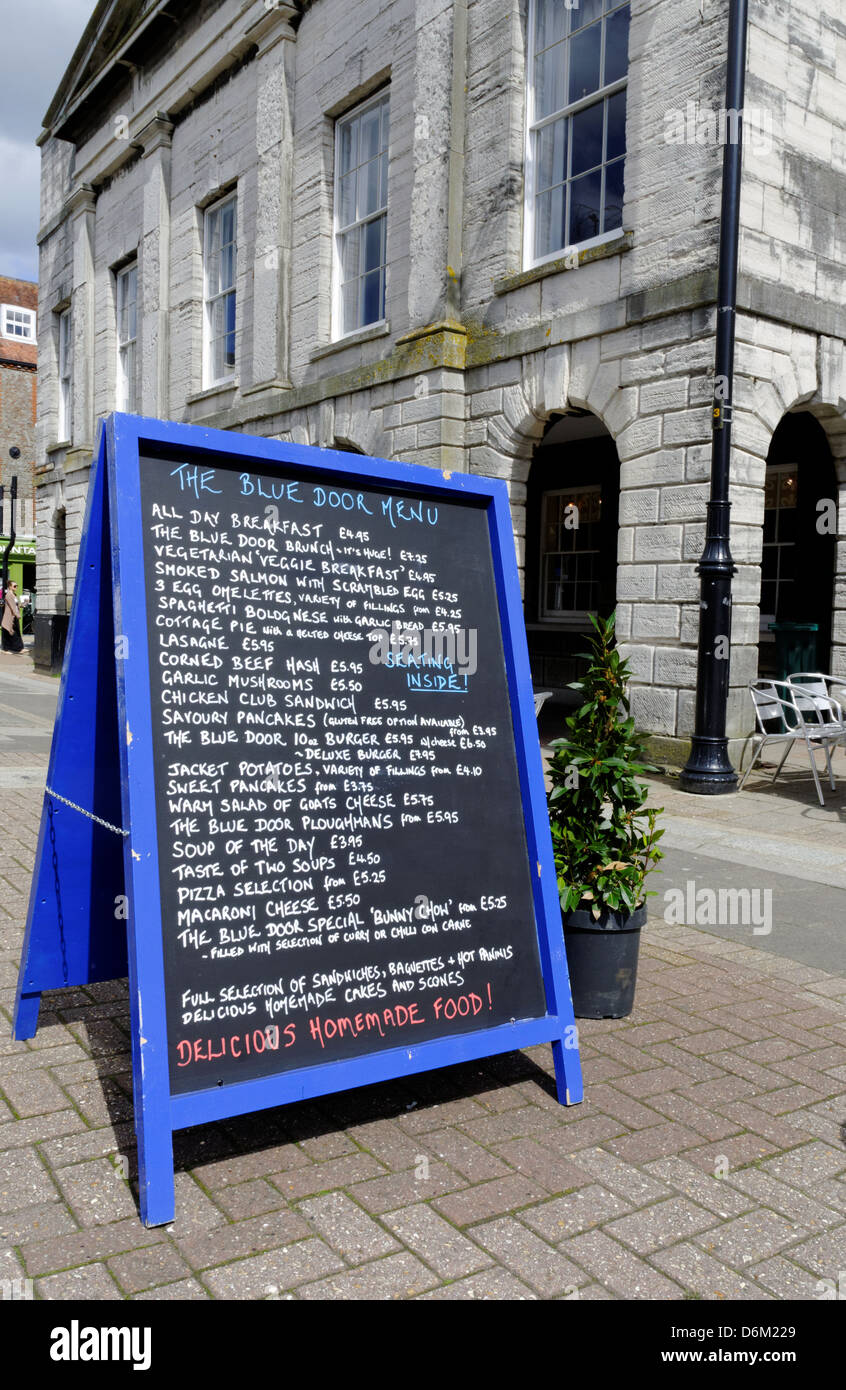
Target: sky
(42, 36)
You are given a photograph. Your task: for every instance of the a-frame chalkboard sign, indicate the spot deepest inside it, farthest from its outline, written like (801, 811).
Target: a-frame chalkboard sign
(295, 789)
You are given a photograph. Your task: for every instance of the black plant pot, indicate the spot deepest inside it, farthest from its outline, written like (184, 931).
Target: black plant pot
(602, 960)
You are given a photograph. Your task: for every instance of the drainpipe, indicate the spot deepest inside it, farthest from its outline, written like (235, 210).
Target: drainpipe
(708, 770)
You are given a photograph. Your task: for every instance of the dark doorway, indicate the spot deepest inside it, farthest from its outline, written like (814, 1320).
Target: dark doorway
(572, 508)
(797, 564)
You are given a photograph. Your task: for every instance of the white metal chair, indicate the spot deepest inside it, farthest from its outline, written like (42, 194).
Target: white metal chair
(816, 686)
(793, 712)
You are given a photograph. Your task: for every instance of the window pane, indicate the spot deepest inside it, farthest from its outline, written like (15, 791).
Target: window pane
(585, 195)
(346, 137)
(346, 200)
(369, 188)
(229, 349)
(64, 344)
(585, 49)
(551, 148)
(787, 524)
(549, 225)
(616, 45)
(551, 22)
(227, 267)
(129, 377)
(218, 312)
(614, 196)
(770, 489)
(583, 597)
(227, 217)
(549, 81)
(350, 253)
(585, 12)
(615, 135)
(587, 138)
(349, 306)
(213, 235)
(369, 137)
(372, 306)
(373, 233)
(217, 368)
(386, 110)
(383, 183)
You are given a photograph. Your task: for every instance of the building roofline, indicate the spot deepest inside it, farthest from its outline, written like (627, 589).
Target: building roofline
(78, 82)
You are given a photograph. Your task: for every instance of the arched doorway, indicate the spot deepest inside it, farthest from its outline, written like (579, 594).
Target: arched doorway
(797, 562)
(572, 505)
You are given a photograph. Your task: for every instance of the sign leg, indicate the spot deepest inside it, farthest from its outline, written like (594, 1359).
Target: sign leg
(26, 1016)
(155, 1175)
(568, 1073)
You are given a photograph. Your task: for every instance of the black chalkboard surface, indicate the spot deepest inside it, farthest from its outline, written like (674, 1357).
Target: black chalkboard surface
(342, 853)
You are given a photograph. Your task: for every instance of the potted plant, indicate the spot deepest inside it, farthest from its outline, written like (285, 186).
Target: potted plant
(604, 837)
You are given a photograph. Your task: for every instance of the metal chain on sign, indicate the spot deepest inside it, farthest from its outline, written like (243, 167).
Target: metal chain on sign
(116, 829)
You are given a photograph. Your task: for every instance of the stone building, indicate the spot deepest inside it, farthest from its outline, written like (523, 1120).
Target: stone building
(18, 397)
(480, 235)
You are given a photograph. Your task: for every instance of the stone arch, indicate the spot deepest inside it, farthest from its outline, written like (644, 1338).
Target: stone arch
(572, 519)
(357, 423)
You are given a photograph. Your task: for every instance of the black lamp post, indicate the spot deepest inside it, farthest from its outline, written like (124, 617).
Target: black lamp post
(708, 770)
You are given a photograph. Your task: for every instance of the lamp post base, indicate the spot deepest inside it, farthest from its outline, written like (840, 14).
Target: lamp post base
(708, 771)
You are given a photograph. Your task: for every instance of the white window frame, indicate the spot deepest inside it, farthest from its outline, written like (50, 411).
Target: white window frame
(530, 260)
(127, 377)
(210, 379)
(339, 331)
(65, 374)
(569, 616)
(27, 317)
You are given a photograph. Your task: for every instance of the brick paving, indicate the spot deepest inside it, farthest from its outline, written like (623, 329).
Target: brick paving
(708, 1160)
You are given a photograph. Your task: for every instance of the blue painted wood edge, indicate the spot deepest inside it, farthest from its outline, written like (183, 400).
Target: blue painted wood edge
(276, 453)
(150, 1072)
(533, 793)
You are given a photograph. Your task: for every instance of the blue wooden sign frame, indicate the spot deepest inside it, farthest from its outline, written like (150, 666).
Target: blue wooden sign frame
(101, 766)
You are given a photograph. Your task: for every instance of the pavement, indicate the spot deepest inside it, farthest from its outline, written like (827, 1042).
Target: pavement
(707, 1161)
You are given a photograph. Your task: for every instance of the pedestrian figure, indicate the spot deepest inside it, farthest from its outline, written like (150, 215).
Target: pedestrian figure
(11, 624)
